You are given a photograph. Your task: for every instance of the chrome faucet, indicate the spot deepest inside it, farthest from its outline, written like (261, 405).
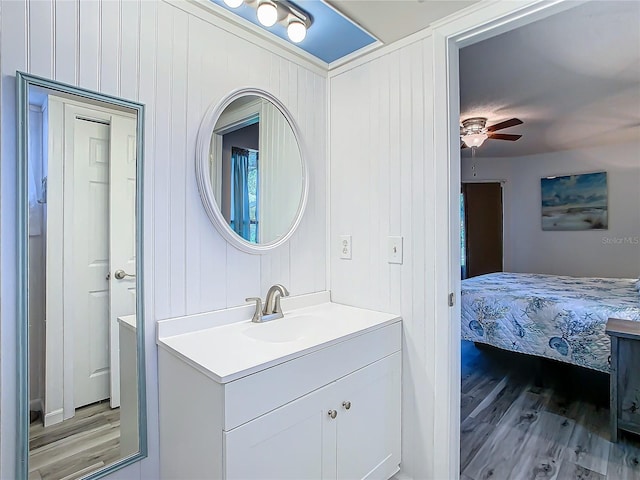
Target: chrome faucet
(272, 309)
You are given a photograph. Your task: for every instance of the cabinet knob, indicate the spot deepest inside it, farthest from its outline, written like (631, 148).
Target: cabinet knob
(346, 405)
(332, 413)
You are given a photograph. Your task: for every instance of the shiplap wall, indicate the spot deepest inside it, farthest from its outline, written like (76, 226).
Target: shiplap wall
(382, 183)
(177, 59)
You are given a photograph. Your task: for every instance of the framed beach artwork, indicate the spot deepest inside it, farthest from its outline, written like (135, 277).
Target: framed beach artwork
(575, 202)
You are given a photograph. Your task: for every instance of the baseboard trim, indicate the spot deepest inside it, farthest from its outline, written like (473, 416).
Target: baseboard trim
(54, 417)
(401, 476)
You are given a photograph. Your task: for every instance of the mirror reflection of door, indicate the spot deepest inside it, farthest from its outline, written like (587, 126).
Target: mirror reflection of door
(85, 237)
(82, 231)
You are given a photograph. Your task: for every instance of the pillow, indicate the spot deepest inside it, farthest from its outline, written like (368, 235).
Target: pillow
(638, 285)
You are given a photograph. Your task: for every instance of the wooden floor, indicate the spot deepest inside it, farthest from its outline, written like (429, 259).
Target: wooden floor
(75, 447)
(512, 429)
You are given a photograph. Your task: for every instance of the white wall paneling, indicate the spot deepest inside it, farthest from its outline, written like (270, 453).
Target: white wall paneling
(614, 252)
(177, 59)
(381, 182)
(394, 166)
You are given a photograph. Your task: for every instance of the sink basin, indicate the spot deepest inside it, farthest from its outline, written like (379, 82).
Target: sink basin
(281, 330)
(226, 346)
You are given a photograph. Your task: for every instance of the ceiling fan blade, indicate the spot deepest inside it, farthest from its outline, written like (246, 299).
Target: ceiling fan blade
(504, 136)
(463, 145)
(506, 124)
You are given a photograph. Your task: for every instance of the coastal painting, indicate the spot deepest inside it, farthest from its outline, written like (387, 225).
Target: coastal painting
(575, 202)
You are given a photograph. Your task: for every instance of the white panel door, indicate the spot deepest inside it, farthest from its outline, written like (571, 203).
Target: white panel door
(87, 216)
(294, 442)
(368, 435)
(122, 239)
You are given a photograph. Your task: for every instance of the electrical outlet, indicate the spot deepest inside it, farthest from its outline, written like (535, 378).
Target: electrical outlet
(395, 250)
(345, 247)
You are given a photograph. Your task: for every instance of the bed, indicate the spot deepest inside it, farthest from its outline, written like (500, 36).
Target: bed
(557, 317)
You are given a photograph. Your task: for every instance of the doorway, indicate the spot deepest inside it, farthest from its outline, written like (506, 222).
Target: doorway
(87, 172)
(486, 22)
(482, 228)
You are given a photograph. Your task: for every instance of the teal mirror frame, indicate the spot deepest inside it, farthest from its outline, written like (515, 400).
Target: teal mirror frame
(24, 81)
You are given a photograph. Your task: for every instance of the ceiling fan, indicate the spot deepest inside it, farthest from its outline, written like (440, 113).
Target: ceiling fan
(474, 131)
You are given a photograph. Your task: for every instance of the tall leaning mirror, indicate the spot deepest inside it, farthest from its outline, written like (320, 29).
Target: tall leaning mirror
(81, 367)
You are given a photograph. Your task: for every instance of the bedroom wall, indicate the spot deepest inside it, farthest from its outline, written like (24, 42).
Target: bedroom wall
(606, 253)
(163, 55)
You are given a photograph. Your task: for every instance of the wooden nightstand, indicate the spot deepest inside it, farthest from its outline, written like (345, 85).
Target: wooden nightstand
(625, 376)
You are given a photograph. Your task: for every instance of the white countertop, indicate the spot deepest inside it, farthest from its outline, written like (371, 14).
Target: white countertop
(228, 352)
(128, 322)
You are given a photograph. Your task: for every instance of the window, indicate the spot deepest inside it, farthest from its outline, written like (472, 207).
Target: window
(244, 193)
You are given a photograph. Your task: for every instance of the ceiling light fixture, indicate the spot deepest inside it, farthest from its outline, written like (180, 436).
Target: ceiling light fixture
(296, 31)
(233, 3)
(474, 139)
(267, 13)
(271, 12)
(474, 131)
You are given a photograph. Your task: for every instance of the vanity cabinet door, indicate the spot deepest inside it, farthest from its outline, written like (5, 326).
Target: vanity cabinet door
(368, 431)
(295, 441)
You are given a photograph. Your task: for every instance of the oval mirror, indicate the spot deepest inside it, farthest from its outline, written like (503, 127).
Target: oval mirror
(251, 171)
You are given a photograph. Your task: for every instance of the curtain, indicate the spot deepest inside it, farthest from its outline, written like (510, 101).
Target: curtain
(240, 174)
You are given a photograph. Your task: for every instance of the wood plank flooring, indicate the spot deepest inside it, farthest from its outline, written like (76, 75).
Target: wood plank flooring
(76, 447)
(514, 429)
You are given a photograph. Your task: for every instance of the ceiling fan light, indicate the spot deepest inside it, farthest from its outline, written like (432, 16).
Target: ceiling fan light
(233, 3)
(474, 139)
(296, 31)
(267, 13)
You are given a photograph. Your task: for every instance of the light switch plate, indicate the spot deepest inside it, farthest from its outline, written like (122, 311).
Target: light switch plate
(345, 247)
(395, 250)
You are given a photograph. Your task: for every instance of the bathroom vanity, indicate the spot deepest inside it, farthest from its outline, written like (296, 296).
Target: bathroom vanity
(313, 395)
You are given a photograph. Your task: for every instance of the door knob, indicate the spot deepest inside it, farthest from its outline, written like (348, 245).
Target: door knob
(346, 405)
(332, 413)
(121, 274)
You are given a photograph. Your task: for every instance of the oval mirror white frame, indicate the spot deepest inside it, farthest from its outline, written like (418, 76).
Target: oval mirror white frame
(203, 177)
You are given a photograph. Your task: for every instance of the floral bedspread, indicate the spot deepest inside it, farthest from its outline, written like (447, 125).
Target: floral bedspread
(551, 316)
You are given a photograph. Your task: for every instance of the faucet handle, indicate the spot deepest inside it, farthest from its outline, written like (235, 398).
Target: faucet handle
(257, 315)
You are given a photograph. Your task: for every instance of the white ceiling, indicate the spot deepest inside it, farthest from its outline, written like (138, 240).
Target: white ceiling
(573, 78)
(391, 20)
